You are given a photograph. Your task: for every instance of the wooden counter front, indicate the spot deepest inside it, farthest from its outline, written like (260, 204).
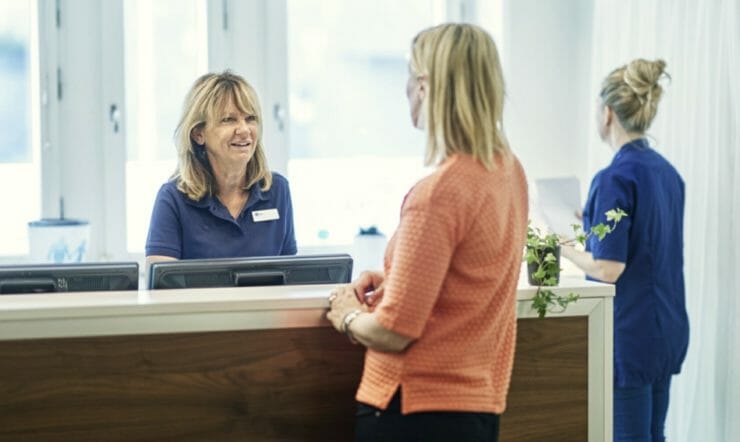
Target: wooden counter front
(293, 382)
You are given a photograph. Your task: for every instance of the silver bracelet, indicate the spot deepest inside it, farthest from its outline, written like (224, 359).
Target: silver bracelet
(346, 321)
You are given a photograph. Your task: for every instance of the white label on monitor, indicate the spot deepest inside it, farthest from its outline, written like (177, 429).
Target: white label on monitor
(265, 215)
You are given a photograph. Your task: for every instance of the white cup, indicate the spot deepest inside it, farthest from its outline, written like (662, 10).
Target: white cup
(58, 240)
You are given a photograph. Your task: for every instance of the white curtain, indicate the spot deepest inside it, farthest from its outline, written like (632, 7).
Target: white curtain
(698, 130)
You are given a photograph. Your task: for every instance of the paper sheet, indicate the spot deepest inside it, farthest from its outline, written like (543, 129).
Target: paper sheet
(559, 199)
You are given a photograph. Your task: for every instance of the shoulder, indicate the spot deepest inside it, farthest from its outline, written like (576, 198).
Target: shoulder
(169, 191)
(279, 187)
(440, 188)
(279, 181)
(620, 172)
(461, 180)
(279, 191)
(171, 195)
(666, 165)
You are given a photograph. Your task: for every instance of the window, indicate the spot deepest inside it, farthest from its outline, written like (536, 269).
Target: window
(19, 117)
(348, 146)
(166, 49)
(353, 150)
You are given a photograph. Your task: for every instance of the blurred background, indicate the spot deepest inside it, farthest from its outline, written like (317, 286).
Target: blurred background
(90, 93)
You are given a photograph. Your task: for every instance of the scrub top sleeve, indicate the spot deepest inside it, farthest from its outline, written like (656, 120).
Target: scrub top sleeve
(612, 192)
(165, 229)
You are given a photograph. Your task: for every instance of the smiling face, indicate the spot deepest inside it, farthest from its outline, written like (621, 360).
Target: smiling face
(230, 136)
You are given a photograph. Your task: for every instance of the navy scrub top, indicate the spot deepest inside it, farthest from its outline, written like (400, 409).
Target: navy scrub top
(651, 328)
(186, 229)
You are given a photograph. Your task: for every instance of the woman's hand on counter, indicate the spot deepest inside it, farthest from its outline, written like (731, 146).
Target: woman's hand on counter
(350, 316)
(369, 287)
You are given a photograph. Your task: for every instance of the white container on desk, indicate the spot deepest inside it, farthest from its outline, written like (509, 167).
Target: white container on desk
(58, 240)
(368, 251)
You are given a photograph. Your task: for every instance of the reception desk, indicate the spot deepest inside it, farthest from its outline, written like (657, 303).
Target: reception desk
(260, 364)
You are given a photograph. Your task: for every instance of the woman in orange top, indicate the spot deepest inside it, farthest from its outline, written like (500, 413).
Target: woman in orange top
(440, 321)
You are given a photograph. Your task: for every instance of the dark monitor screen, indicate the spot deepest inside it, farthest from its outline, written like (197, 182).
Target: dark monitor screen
(49, 278)
(243, 272)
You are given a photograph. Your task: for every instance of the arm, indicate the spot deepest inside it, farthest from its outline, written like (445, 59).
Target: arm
(364, 328)
(368, 332)
(289, 246)
(158, 258)
(605, 259)
(164, 240)
(601, 269)
(406, 302)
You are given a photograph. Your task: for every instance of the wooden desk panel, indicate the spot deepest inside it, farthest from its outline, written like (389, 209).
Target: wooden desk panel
(260, 385)
(548, 397)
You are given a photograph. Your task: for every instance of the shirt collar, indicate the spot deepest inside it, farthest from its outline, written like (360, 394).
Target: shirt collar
(632, 146)
(255, 194)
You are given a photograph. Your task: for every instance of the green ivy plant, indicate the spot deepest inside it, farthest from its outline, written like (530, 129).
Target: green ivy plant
(542, 250)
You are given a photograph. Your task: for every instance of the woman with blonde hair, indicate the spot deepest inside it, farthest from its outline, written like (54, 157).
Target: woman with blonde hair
(644, 254)
(439, 322)
(222, 201)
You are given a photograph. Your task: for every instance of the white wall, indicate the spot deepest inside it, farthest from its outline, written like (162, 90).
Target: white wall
(547, 69)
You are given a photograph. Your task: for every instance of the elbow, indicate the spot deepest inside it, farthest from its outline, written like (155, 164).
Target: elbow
(401, 345)
(608, 277)
(610, 271)
(396, 344)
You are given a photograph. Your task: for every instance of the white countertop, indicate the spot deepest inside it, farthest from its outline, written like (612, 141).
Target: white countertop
(192, 310)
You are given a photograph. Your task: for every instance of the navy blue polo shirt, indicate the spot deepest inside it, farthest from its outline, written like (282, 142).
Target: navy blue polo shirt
(651, 328)
(187, 229)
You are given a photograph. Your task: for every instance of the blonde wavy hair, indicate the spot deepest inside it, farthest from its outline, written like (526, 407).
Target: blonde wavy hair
(206, 99)
(464, 107)
(633, 91)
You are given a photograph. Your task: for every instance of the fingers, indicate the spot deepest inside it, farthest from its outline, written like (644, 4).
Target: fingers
(368, 287)
(332, 316)
(343, 296)
(363, 283)
(373, 297)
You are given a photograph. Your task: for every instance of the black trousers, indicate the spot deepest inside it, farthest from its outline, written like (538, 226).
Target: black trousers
(375, 425)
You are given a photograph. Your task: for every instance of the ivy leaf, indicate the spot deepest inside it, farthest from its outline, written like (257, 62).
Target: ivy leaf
(540, 251)
(601, 230)
(615, 215)
(539, 275)
(581, 238)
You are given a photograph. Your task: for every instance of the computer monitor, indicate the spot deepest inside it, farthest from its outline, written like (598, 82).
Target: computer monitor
(243, 272)
(50, 278)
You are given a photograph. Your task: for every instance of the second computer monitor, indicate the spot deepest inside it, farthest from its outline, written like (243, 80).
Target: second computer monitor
(260, 271)
(52, 278)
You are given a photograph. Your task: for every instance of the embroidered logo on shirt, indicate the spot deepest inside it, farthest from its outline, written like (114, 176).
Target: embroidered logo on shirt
(259, 216)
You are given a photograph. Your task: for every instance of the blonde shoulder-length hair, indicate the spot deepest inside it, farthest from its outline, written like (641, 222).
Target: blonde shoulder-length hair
(206, 99)
(465, 101)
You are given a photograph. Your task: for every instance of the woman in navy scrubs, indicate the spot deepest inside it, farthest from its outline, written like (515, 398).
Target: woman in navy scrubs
(222, 201)
(644, 254)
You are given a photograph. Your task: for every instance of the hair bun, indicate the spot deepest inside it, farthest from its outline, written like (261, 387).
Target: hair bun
(642, 77)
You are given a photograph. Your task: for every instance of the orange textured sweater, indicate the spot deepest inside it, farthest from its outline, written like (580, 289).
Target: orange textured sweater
(451, 273)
